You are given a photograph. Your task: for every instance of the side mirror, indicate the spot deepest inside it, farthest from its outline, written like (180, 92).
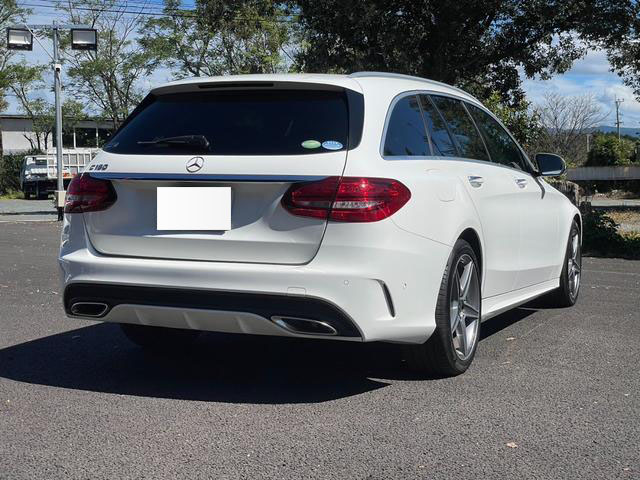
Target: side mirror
(550, 165)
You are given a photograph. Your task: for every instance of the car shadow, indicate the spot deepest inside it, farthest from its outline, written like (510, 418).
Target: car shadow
(220, 367)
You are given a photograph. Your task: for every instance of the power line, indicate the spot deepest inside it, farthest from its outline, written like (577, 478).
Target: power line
(177, 13)
(121, 4)
(111, 10)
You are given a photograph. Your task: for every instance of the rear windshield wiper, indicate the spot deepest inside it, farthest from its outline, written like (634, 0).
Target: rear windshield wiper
(186, 140)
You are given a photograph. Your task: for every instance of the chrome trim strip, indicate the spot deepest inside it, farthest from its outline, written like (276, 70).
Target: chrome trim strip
(401, 95)
(206, 177)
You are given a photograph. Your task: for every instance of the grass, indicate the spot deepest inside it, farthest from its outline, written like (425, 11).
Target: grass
(14, 195)
(628, 217)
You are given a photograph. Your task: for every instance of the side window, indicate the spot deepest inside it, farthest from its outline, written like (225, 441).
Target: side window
(502, 148)
(405, 133)
(462, 128)
(440, 139)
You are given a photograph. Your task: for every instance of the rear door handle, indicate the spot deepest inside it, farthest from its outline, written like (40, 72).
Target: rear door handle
(475, 181)
(521, 182)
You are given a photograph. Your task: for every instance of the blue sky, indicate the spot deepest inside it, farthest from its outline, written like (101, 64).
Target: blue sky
(591, 75)
(588, 75)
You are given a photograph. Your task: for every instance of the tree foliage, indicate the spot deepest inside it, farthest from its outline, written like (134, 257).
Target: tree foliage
(27, 85)
(479, 44)
(10, 14)
(108, 79)
(218, 38)
(608, 150)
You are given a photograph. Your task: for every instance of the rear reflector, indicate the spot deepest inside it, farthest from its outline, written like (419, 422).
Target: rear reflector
(347, 199)
(87, 194)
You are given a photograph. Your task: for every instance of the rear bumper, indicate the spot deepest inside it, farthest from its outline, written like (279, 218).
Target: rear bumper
(133, 303)
(372, 283)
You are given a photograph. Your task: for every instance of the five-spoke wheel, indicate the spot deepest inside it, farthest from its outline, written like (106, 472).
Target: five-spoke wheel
(451, 348)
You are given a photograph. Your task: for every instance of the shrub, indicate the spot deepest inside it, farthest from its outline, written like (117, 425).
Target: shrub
(608, 150)
(10, 166)
(600, 237)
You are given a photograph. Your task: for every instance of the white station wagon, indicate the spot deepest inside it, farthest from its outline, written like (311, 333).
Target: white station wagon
(363, 207)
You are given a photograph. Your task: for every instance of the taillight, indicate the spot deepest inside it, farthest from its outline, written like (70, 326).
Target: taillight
(347, 199)
(87, 194)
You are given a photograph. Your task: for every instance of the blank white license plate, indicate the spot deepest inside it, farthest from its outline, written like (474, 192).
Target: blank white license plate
(194, 208)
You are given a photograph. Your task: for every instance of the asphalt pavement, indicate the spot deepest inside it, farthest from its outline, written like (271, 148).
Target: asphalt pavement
(27, 211)
(553, 393)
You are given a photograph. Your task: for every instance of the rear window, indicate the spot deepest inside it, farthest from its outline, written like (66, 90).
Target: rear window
(240, 122)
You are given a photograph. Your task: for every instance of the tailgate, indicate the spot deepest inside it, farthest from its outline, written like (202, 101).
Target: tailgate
(256, 143)
(262, 231)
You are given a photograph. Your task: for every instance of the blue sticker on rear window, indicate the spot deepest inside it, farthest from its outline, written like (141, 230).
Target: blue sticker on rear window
(332, 145)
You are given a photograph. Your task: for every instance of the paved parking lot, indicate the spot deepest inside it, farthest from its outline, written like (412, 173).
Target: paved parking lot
(552, 394)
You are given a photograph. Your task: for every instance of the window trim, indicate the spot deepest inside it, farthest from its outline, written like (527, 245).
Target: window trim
(531, 171)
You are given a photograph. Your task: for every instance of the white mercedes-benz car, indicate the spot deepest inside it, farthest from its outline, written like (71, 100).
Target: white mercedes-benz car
(363, 207)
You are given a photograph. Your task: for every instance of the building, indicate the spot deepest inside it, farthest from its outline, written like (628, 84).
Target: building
(18, 135)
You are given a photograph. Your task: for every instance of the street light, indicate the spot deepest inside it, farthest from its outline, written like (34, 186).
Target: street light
(19, 39)
(83, 38)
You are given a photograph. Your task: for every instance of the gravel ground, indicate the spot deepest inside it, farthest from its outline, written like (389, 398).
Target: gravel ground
(551, 394)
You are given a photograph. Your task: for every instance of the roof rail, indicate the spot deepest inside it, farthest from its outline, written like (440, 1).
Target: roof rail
(409, 77)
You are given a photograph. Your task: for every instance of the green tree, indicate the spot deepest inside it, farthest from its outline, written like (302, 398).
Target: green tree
(608, 150)
(218, 37)
(623, 50)
(27, 85)
(479, 44)
(108, 79)
(10, 14)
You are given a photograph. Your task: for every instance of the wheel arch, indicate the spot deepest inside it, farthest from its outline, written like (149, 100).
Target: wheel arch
(472, 237)
(578, 219)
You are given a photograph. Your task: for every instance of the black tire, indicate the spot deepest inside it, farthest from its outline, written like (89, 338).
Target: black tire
(566, 296)
(27, 195)
(40, 195)
(159, 339)
(437, 356)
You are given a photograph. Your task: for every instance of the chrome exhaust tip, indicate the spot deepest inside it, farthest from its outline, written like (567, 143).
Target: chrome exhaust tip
(304, 326)
(89, 309)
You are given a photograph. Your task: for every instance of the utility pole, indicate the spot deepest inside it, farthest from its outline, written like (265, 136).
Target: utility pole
(58, 100)
(82, 38)
(618, 122)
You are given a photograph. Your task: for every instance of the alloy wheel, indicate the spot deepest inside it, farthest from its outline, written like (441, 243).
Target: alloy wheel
(574, 264)
(464, 312)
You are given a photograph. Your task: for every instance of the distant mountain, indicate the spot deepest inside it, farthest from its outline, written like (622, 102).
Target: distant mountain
(633, 132)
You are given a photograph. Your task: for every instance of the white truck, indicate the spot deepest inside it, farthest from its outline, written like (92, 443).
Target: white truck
(39, 174)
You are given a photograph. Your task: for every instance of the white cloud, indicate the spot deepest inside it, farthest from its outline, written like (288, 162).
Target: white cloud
(591, 74)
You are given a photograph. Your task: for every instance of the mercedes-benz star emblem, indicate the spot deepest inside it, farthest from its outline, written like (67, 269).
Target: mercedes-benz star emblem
(194, 164)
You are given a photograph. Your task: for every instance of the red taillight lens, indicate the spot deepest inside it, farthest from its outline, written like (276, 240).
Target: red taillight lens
(87, 194)
(347, 199)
